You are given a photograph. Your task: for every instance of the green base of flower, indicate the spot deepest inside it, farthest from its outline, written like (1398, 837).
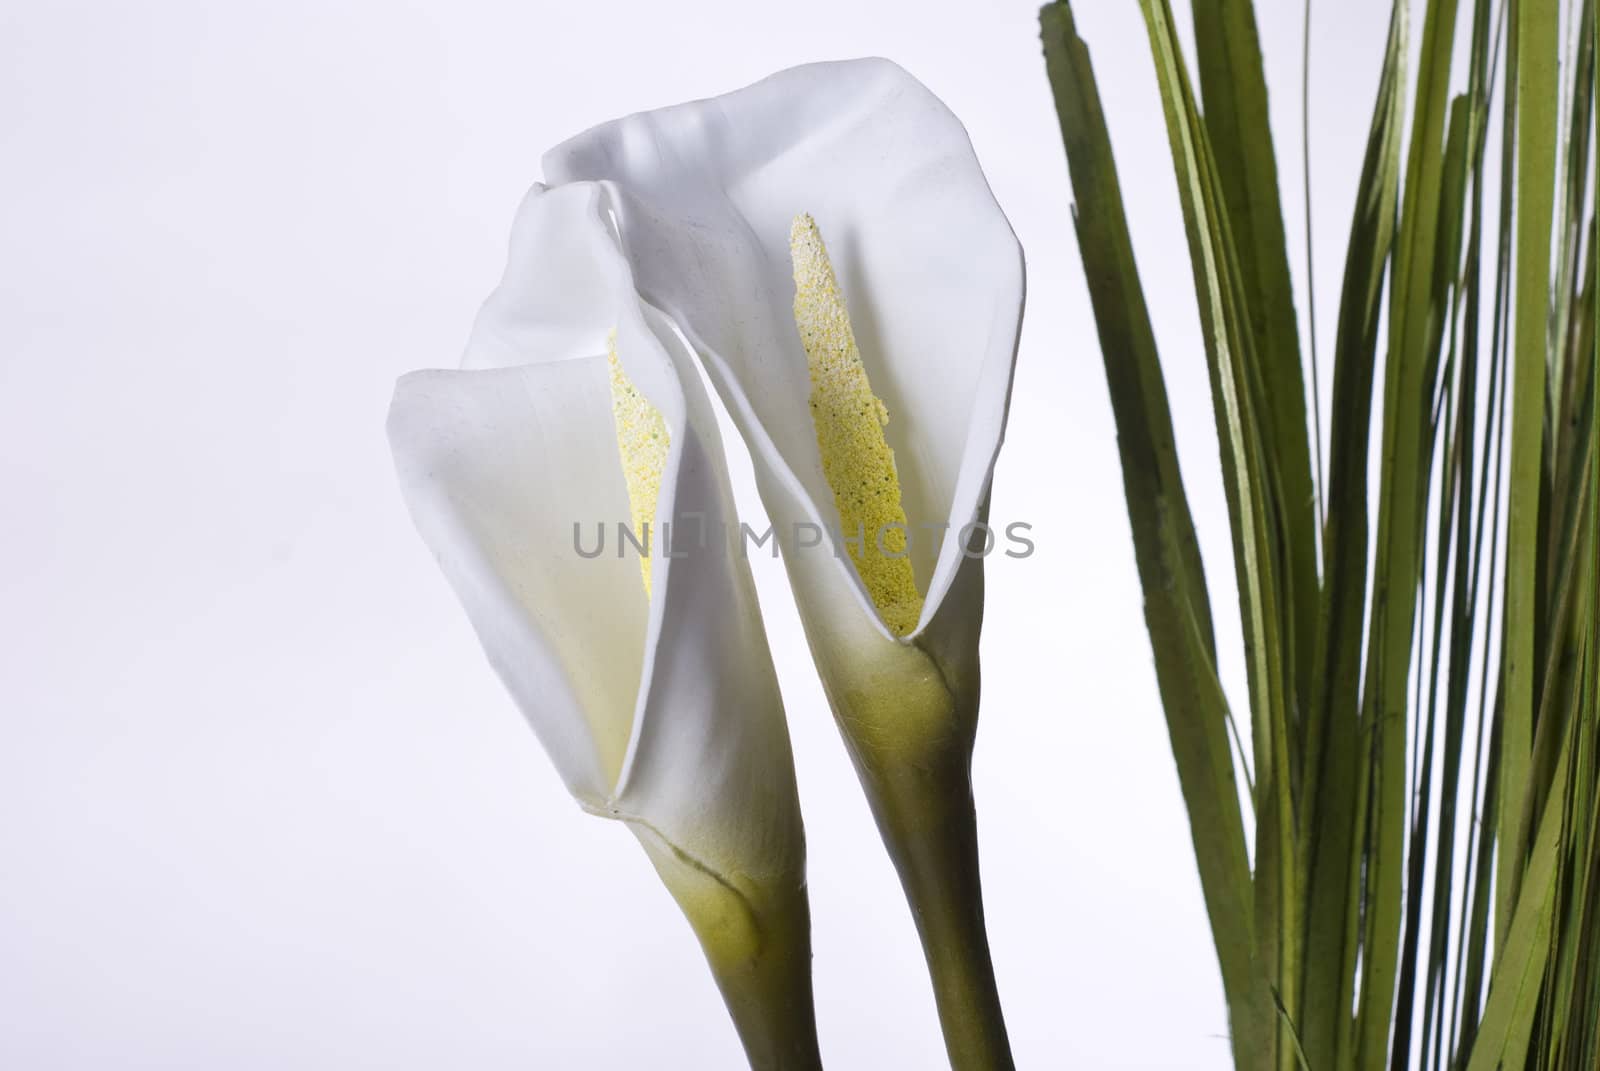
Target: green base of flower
(757, 941)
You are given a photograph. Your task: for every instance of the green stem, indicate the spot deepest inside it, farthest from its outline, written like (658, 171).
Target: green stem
(769, 999)
(756, 935)
(925, 813)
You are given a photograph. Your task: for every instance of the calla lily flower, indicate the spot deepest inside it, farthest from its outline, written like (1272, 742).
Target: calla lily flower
(647, 679)
(827, 243)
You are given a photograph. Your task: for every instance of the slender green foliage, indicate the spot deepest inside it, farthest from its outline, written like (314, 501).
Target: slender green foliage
(1177, 609)
(1423, 682)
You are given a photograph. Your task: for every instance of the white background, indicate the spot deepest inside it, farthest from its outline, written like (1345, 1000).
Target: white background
(262, 802)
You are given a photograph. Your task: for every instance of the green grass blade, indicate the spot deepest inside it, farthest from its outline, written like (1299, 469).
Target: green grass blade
(1365, 938)
(1450, 528)
(1164, 541)
(1536, 89)
(1471, 610)
(1415, 315)
(1516, 983)
(1114, 287)
(1566, 968)
(1328, 814)
(1233, 91)
(1255, 500)
(1473, 943)
(1475, 950)
(1585, 1045)
(1566, 363)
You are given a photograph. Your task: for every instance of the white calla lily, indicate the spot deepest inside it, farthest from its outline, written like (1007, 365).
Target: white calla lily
(826, 241)
(654, 694)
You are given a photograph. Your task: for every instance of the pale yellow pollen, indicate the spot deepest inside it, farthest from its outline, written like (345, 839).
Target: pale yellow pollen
(642, 441)
(849, 420)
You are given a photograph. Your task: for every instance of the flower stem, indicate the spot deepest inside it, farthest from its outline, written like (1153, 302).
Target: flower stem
(756, 935)
(926, 814)
(769, 999)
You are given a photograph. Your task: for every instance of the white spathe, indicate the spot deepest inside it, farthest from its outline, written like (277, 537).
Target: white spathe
(704, 195)
(673, 227)
(662, 711)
